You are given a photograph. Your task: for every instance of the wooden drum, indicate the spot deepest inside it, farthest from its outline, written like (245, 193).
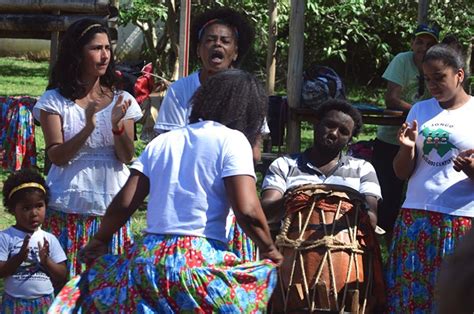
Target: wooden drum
(332, 259)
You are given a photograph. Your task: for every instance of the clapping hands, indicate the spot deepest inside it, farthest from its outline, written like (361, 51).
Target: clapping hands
(465, 162)
(23, 254)
(119, 111)
(43, 251)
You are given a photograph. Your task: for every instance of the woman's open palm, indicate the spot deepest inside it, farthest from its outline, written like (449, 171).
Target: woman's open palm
(407, 135)
(119, 110)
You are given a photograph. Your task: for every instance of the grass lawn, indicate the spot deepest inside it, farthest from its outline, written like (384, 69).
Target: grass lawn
(22, 77)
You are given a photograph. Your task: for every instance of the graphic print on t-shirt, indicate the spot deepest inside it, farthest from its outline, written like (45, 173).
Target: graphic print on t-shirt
(437, 140)
(31, 267)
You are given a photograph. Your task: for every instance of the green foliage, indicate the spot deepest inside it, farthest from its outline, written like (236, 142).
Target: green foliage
(142, 11)
(148, 15)
(358, 38)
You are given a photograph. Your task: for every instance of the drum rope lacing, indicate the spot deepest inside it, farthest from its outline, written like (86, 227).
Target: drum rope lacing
(328, 241)
(331, 243)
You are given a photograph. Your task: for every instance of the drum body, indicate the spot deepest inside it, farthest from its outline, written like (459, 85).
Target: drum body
(328, 263)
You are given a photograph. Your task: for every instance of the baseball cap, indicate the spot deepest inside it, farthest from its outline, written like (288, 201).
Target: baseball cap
(432, 30)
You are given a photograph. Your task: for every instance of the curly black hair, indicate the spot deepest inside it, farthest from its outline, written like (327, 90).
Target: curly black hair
(228, 17)
(343, 106)
(17, 178)
(234, 98)
(67, 69)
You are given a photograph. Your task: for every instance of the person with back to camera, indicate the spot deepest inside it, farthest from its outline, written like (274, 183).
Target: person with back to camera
(435, 156)
(220, 38)
(192, 176)
(32, 261)
(88, 129)
(405, 86)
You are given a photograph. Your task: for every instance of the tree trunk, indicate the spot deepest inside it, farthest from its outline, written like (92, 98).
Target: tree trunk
(295, 73)
(468, 67)
(271, 51)
(173, 34)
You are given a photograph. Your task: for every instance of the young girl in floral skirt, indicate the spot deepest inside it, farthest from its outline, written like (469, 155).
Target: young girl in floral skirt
(32, 261)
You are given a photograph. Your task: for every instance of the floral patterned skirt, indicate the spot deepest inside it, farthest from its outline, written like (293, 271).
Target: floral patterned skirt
(74, 231)
(421, 240)
(169, 274)
(240, 243)
(25, 306)
(17, 133)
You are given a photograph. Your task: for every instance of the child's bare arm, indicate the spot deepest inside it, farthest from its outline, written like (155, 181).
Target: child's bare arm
(57, 271)
(8, 268)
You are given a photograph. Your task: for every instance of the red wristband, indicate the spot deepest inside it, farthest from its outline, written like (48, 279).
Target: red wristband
(119, 131)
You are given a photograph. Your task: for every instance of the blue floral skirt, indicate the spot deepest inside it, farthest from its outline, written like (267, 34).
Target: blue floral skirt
(240, 243)
(169, 274)
(25, 306)
(421, 240)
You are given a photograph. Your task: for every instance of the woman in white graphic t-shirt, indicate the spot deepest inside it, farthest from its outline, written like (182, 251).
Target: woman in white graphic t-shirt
(439, 202)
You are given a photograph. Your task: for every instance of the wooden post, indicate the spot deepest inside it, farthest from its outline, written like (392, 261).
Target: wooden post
(184, 26)
(295, 72)
(54, 46)
(423, 11)
(271, 51)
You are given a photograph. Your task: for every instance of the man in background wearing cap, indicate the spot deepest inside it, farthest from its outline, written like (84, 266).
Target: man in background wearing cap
(405, 86)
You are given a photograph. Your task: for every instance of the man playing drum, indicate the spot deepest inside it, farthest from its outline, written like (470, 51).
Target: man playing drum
(322, 266)
(324, 163)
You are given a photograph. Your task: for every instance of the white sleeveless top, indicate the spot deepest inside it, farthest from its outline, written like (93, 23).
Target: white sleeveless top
(88, 183)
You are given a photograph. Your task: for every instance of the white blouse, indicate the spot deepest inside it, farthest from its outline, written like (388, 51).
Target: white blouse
(91, 179)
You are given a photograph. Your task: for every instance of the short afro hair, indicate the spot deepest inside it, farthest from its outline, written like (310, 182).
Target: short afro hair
(229, 17)
(234, 98)
(15, 179)
(342, 106)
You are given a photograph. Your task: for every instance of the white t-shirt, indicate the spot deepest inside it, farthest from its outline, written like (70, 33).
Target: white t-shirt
(442, 134)
(29, 280)
(176, 106)
(186, 168)
(89, 182)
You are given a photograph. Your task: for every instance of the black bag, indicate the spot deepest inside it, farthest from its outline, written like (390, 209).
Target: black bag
(320, 84)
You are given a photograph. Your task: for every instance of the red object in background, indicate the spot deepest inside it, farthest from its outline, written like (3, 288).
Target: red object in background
(17, 133)
(144, 84)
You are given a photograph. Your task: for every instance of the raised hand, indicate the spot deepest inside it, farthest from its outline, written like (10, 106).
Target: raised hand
(119, 111)
(43, 251)
(23, 254)
(91, 109)
(407, 135)
(465, 162)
